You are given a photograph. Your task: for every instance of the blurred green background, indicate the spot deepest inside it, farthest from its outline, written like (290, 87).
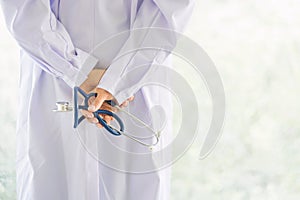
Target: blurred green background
(256, 48)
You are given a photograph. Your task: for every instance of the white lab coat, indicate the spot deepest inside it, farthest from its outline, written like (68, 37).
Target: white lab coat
(56, 38)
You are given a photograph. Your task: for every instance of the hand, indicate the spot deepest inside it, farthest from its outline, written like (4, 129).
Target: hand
(90, 85)
(98, 103)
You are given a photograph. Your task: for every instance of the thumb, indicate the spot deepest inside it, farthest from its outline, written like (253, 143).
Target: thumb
(97, 103)
(102, 95)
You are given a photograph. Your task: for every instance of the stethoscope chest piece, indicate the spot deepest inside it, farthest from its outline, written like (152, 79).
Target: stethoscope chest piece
(63, 106)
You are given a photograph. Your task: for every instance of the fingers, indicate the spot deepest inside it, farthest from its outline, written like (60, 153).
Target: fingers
(87, 114)
(91, 99)
(92, 119)
(102, 95)
(105, 106)
(99, 125)
(98, 102)
(108, 119)
(125, 103)
(130, 98)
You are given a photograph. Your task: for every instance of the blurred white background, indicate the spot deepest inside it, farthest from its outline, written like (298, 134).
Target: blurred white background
(256, 47)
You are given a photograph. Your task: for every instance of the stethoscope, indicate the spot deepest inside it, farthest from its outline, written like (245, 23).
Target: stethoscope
(63, 106)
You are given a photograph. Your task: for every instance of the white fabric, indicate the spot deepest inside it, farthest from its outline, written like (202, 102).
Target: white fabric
(56, 37)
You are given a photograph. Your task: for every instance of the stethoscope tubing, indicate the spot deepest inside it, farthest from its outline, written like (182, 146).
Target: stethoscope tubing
(111, 129)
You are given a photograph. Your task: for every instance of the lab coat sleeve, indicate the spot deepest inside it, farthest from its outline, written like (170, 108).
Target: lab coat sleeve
(37, 30)
(165, 14)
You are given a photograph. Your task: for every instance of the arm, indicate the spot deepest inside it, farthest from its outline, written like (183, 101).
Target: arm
(166, 14)
(44, 38)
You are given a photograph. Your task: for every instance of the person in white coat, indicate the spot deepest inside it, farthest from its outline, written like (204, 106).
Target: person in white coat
(56, 38)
